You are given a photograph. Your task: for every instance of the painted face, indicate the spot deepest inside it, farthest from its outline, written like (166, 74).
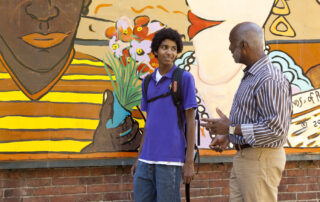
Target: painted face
(167, 52)
(36, 33)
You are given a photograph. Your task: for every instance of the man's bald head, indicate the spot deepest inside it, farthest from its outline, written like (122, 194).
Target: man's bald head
(250, 33)
(246, 43)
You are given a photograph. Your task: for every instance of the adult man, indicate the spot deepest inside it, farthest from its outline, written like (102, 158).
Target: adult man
(163, 158)
(259, 120)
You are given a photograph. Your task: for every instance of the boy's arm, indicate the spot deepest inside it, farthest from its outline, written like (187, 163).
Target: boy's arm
(133, 168)
(188, 168)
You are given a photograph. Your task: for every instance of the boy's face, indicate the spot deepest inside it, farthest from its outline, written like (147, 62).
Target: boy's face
(37, 33)
(167, 52)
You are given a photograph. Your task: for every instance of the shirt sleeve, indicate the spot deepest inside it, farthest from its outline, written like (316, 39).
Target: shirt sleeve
(274, 111)
(188, 91)
(144, 103)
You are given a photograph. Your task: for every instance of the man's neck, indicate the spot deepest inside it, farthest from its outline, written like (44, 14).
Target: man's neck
(255, 58)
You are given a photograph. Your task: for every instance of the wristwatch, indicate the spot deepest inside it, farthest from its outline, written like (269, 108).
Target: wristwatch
(232, 128)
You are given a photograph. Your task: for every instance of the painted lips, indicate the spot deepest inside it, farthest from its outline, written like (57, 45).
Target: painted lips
(44, 41)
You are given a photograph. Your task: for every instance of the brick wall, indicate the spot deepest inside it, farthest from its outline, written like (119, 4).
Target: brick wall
(111, 183)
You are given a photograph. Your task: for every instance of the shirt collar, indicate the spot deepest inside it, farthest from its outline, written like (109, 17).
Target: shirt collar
(257, 66)
(168, 75)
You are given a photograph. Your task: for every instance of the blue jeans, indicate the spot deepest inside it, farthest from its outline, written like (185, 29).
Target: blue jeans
(156, 182)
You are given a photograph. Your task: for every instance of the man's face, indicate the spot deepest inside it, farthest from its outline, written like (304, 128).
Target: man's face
(167, 52)
(38, 33)
(235, 48)
(237, 54)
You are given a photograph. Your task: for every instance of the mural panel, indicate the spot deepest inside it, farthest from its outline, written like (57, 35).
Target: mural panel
(71, 71)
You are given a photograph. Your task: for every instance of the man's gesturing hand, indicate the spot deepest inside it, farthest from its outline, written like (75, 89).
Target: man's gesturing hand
(217, 126)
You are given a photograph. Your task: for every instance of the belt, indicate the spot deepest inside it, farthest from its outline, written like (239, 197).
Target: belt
(242, 146)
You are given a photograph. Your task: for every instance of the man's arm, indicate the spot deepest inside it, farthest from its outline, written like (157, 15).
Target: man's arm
(274, 107)
(188, 168)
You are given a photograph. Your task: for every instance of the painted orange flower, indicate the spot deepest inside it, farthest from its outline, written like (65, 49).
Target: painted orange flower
(153, 61)
(141, 29)
(122, 30)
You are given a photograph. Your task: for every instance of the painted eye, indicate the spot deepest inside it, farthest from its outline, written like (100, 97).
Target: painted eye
(139, 29)
(125, 31)
(115, 46)
(140, 51)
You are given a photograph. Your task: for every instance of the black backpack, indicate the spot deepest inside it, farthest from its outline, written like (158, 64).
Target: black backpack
(175, 92)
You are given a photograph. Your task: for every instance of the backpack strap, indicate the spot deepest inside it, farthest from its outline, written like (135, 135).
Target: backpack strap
(198, 126)
(160, 96)
(176, 92)
(146, 85)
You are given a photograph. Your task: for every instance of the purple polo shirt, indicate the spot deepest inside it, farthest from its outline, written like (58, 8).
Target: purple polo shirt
(164, 141)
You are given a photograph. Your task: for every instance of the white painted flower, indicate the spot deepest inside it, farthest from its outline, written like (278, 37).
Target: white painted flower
(117, 46)
(155, 26)
(140, 50)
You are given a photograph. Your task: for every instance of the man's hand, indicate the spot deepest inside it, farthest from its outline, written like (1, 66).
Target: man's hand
(217, 126)
(187, 172)
(134, 166)
(219, 143)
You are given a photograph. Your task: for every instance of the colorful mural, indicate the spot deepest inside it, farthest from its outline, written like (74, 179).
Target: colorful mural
(70, 71)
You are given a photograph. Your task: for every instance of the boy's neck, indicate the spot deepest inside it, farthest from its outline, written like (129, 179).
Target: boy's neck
(164, 69)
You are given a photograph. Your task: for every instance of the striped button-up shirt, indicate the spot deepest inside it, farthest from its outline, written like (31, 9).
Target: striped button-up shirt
(262, 106)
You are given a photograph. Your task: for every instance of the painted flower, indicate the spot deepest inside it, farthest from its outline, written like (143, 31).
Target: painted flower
(125, 58)
(144, 29)
(140, 50)
(122, 30)
(111, 32)
(154, 63)
(125, 30)
(117, 46)
(155, 26)
(141, 29)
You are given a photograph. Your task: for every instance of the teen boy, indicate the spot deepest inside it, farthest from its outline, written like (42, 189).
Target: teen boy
(167, 151)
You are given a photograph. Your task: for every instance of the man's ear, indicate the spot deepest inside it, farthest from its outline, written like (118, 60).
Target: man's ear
(85, 7)
(244, 45)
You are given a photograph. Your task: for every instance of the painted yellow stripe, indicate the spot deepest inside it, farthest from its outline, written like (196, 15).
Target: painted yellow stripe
(140, 122)
(95, 98)
(5, 76)
(87, 77)
(68, 97)
(13, 96)
(44, 146)
(87, 62)
(21, 122)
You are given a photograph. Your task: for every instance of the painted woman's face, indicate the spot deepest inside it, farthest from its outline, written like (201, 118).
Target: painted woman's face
(38, 33)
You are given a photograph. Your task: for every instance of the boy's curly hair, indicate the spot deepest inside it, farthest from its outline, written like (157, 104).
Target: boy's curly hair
(166, 33)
